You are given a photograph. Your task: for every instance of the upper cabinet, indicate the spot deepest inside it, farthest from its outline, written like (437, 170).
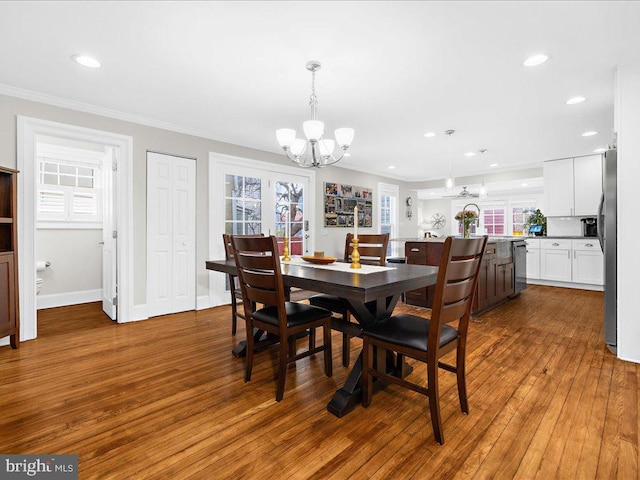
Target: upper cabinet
(573, 186)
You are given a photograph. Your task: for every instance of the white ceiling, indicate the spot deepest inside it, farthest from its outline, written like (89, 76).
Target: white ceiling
(235, 72)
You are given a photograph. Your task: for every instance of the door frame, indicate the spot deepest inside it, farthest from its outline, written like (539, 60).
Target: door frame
(217, 161)
(27, 129)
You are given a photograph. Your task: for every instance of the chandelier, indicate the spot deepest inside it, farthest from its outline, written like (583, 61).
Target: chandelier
(315, 151)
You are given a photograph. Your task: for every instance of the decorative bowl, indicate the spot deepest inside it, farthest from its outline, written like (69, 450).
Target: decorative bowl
(320, 260)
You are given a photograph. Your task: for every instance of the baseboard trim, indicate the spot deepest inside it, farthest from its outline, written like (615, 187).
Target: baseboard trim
(139, 312)
(202, 302)
(70, 298)
(552, 283)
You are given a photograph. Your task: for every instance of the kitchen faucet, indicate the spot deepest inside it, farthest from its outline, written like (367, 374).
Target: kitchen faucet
(465, 225)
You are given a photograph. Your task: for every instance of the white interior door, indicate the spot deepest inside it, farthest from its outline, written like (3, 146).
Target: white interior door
(171, 232)
(109, 240)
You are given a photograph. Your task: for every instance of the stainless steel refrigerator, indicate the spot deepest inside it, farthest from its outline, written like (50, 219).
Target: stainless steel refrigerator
(607, 233)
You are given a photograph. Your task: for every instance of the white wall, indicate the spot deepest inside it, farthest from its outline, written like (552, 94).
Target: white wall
(628, 124)
(76, 260)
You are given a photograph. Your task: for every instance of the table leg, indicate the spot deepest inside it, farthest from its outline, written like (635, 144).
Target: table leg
(346, 398)
(261, 340)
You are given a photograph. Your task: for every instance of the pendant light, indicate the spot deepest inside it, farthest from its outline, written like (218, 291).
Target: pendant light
(450, 182)
(483, 189)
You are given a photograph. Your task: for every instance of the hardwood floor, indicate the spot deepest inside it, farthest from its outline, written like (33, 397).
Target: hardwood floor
(164, 398)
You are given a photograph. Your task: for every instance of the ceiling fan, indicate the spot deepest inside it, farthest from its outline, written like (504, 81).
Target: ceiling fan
(464, 193)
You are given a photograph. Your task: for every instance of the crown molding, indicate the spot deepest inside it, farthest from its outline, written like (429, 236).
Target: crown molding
(103, 112)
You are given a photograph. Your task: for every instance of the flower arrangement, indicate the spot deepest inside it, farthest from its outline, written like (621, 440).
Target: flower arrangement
(467, 218)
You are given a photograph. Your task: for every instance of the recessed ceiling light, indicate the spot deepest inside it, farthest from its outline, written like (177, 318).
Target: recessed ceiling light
(535, 60)
(574, 100)
(430, 134)
(86, 61)
(347, 154)
(600, 150)
(589, 134)
(494, 165)
(469, 154)
(432, 193)
(524, 184)
(391, 167)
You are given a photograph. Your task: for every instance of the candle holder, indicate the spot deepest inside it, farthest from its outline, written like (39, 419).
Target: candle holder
(285, 250)
(355, 255)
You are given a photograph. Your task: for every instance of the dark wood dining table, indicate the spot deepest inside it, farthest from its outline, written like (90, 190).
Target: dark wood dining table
(371, 296)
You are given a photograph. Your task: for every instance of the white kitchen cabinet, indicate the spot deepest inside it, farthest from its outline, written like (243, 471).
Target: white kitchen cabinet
(587, 184)
(588, 262)
(572, 186)
(533, 258)
(555, 260)
(558, 187)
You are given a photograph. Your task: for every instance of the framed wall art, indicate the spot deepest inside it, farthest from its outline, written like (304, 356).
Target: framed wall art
(339, 202)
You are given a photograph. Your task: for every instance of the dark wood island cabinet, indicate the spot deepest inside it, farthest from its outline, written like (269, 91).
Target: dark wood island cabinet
(495, 282)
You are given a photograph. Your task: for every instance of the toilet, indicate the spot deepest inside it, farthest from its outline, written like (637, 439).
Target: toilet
(38, 285)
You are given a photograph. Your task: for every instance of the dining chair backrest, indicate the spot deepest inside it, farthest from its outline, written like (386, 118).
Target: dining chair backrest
(258, 263)
(456, 284)
(372, 248)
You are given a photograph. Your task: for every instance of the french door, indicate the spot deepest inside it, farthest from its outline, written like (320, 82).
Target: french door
(257, 200)
(270, 203)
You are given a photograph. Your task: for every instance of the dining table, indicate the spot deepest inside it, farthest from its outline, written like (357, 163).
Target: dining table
(371, 291)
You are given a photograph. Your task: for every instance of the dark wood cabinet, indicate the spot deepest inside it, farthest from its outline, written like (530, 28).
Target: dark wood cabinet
(422, 253)
(495, 279)
(9, 306)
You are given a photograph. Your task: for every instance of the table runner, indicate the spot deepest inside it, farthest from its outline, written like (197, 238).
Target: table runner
(337, 266)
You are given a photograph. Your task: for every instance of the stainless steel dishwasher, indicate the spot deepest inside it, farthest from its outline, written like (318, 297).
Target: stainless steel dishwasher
(519, 250)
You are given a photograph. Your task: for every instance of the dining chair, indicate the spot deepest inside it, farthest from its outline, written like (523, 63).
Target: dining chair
(258, 263)
(234, 287)
(427, 340)
(373, 251)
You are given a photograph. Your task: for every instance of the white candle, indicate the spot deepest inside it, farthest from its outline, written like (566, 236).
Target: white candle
(355, 222)
(288, 225)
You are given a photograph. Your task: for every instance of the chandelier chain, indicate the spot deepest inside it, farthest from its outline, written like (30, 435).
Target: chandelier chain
(313, 99)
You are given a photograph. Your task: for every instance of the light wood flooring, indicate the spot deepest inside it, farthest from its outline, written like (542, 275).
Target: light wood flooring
(165, 399)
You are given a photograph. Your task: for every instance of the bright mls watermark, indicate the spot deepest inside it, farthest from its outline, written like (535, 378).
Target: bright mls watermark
(44, 467)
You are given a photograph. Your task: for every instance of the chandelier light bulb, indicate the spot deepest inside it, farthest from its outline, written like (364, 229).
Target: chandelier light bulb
(326, 147)
(285, 136)
(298, 146)
(313, 130)
(344, 137)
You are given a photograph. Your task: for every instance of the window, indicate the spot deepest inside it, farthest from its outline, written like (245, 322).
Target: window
(69, 192)
(494, 220)
(519, 214)
(389, 214)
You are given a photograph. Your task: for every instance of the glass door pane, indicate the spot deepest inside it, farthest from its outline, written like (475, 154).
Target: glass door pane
(243, 205)
(290, 215)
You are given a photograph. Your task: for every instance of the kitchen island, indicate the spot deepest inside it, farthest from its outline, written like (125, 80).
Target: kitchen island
(498, 280)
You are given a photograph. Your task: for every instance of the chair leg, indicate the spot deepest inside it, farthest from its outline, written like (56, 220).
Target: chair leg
(434, 400)
(462, 379)
(291, 341)
(312, 338)
(399, 365)
(250, 349)
(234, 316)
(367, 363)
(328, 358)
(282, 369)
